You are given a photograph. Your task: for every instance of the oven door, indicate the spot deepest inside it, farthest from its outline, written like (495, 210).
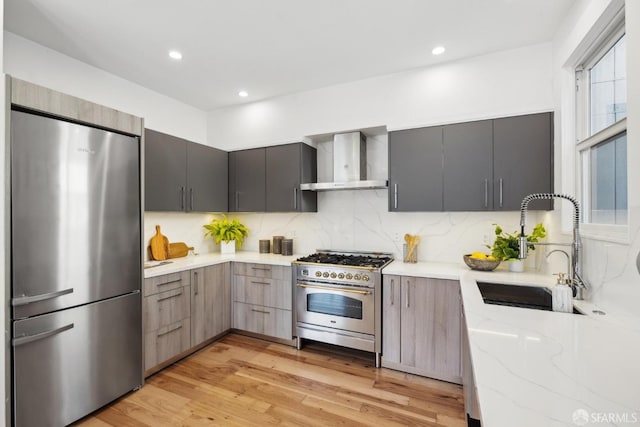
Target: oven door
(336, 306)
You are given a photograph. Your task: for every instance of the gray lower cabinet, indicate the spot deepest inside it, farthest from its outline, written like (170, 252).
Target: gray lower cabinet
(166, 318)
(268, 179)
(415, 170)
(262, 299)
(210, 302)
(421, 326)
(182, 176)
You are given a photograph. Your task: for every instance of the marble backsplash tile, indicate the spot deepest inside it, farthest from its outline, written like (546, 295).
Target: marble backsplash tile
(352, 220)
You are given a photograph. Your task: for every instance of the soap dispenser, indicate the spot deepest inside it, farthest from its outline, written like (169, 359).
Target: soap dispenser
(562, 295)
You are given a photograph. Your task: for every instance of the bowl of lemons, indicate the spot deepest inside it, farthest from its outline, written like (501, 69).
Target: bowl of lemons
(481, 261)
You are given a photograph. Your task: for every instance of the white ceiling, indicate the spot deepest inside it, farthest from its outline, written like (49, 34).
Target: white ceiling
(274, 47)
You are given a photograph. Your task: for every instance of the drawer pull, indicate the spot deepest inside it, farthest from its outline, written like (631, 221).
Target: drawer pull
(171, 296)
(261, 311)
(261, 268)
(260, 283)
(170, 281)
(169, 331)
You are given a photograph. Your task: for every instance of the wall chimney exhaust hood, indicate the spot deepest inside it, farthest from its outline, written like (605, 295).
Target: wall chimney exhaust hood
(349, 166)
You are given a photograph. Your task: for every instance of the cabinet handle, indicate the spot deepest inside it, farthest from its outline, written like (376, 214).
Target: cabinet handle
(261, 311)
(393, 287)
(191, 199)
(408, 293)
(195, 283)
(170, 281)
(486, 193)
(169, 297)
(500, 192)
(182, 195)
(261, 268)
(395, 196)
(237, 201)
(295, 199)
(261, 283)
(169, 331)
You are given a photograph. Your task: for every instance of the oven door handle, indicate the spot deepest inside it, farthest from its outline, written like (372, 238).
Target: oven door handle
(326, 288)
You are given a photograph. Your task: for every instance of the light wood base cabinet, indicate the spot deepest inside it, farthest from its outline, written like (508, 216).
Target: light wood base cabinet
(259, 319)
(210, 302)
(166, 320)
(262, 296)
(421, 326)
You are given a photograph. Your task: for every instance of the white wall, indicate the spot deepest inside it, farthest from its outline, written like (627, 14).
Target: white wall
(505, 83)
(35, 63)
(609, 268)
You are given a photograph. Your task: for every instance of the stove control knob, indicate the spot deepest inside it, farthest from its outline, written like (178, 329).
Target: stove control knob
(340, 275)
(318, 274)
(325, 274)
(349, 276)
(365, 277)
(333, 275)
(356, 277)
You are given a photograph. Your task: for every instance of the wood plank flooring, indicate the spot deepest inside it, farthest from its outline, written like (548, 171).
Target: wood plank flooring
(243, 381)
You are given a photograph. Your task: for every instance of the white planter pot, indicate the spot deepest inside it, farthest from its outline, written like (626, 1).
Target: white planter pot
(228, 247)
(516, 265)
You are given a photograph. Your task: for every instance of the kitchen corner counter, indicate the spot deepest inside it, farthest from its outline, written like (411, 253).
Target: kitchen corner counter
(540, 368)
(204, 260)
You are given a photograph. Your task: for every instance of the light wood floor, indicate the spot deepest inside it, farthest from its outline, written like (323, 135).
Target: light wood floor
(242, 381)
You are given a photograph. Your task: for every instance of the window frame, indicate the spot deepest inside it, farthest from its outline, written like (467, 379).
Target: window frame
(585, 142)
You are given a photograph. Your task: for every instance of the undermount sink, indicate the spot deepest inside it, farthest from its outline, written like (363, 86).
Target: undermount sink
(535, 297)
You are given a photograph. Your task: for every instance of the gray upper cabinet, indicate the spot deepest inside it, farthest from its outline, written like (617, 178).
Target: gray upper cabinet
(164, 172)
(268, 179)
(183, 176)
(207, 178)
(247, 187)
(415, 170)
(468, 166)
(472, 166)
(523, 160)
(287, 167)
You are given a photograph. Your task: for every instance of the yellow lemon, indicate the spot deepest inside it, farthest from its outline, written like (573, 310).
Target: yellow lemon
(491, 258)
(478, 255)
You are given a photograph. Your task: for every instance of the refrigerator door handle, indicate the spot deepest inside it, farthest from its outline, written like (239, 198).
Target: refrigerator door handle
(24, 300)
(37, 337)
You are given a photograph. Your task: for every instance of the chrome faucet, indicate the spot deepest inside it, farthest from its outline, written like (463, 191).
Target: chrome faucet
(577, 284)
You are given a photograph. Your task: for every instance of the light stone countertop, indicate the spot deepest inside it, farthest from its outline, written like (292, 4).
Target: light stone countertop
(539, 368)
(532, 368)
(203, 260)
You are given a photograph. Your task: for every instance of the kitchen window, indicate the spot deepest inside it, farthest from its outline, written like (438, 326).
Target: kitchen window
(601, 129)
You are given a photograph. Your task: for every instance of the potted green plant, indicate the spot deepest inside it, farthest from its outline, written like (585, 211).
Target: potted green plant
(228, 233)
(506, 247)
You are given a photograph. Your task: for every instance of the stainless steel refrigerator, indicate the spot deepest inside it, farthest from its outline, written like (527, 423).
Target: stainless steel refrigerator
(76, 268)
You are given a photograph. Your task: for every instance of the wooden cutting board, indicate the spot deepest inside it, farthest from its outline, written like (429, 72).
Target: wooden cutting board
(159, 246)
(179, 250)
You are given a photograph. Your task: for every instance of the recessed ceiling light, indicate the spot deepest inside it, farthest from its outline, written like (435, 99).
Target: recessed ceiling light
(243, 93)
(438, 50)
(175, 54)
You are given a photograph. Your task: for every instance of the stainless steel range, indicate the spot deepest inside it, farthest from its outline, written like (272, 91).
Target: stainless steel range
(338, 299)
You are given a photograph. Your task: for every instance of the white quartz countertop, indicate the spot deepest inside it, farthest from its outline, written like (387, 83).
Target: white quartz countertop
(197, 261)
(539, 368)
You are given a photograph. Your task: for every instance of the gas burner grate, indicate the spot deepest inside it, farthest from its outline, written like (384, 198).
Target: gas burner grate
(346, 259)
